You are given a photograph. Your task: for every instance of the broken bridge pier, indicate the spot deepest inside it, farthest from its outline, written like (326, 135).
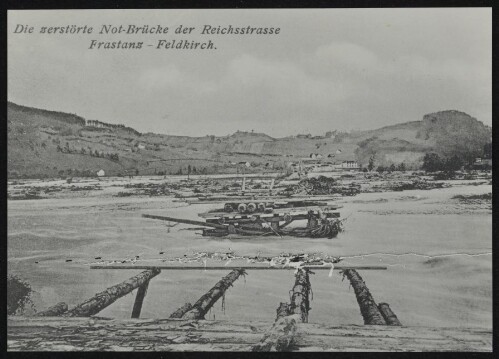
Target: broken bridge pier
(107, 297)
(289, 329)
(203, 305)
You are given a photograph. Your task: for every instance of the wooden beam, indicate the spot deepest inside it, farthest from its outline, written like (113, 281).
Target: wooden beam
(273, 218)
(282, 310)
(175, 267)
(185, 221)
(300, 301)
(53, 311)
(139, 299)
(96, 334)
(179, 313)
(388, 314)
(280, 336)
(368, 307)
(103, 299)
(203, 305)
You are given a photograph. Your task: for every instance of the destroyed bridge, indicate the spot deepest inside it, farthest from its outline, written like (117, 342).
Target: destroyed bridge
(61, 329)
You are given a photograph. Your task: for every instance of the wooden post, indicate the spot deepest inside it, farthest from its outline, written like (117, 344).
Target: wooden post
(368, 308)
(203, 305)
(280, 336)
(139, 299)
(282, 310)
(53, 311)
(103, 299)
(181, 311)
(300, 302)
(388, 315)
(312, 220)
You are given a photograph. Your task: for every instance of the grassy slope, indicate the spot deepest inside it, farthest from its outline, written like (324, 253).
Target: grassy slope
(34, 134)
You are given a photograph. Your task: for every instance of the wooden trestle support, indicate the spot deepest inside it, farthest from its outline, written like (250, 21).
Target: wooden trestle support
(188, 331)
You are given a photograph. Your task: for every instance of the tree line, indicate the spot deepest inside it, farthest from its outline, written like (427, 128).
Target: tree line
(88, 151)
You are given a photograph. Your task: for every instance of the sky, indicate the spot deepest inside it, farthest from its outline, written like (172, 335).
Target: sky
(327, 69)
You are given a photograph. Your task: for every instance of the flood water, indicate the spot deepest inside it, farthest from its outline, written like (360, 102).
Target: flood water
(438, 253)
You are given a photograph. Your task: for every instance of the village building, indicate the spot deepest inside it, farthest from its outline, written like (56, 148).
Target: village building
(350, 164)
(482, 163)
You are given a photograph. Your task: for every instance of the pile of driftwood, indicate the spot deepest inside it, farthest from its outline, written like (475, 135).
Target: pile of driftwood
(148, 189)
(407, 185)
(41, 192)
(322, 186)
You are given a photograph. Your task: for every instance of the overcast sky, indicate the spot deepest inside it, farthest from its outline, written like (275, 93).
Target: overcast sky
(327, 69)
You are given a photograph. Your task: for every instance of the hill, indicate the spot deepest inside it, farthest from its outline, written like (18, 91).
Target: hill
(446, 133)
(44, 143)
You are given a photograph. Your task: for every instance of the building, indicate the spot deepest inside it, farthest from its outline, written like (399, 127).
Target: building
(482, 163)
(350, 164)
(101, 173)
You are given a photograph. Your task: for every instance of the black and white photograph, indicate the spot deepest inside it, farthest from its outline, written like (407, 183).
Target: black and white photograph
(253, 180)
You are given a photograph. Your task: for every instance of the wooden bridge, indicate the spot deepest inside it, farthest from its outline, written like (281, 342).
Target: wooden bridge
(77, 329)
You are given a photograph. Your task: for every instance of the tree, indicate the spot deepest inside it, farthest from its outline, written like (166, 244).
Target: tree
(392, 168)
(19, 295)
(487, 150)
(380, 169)
(372, 159)
(83, 151)
(401, 167)
(432, 163)
(453, 164)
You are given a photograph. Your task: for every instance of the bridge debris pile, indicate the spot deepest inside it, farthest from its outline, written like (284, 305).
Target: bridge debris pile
(322, 186)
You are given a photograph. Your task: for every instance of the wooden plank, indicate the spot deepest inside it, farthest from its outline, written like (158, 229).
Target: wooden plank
(102, 335)
(173, 267)
(349, 341)
(61, 334)
(185, 221)
(271, 217)
(383, 331)
(23, 323)
(140, 335)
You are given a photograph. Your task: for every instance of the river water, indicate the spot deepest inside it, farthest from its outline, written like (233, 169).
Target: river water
(438, 253)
